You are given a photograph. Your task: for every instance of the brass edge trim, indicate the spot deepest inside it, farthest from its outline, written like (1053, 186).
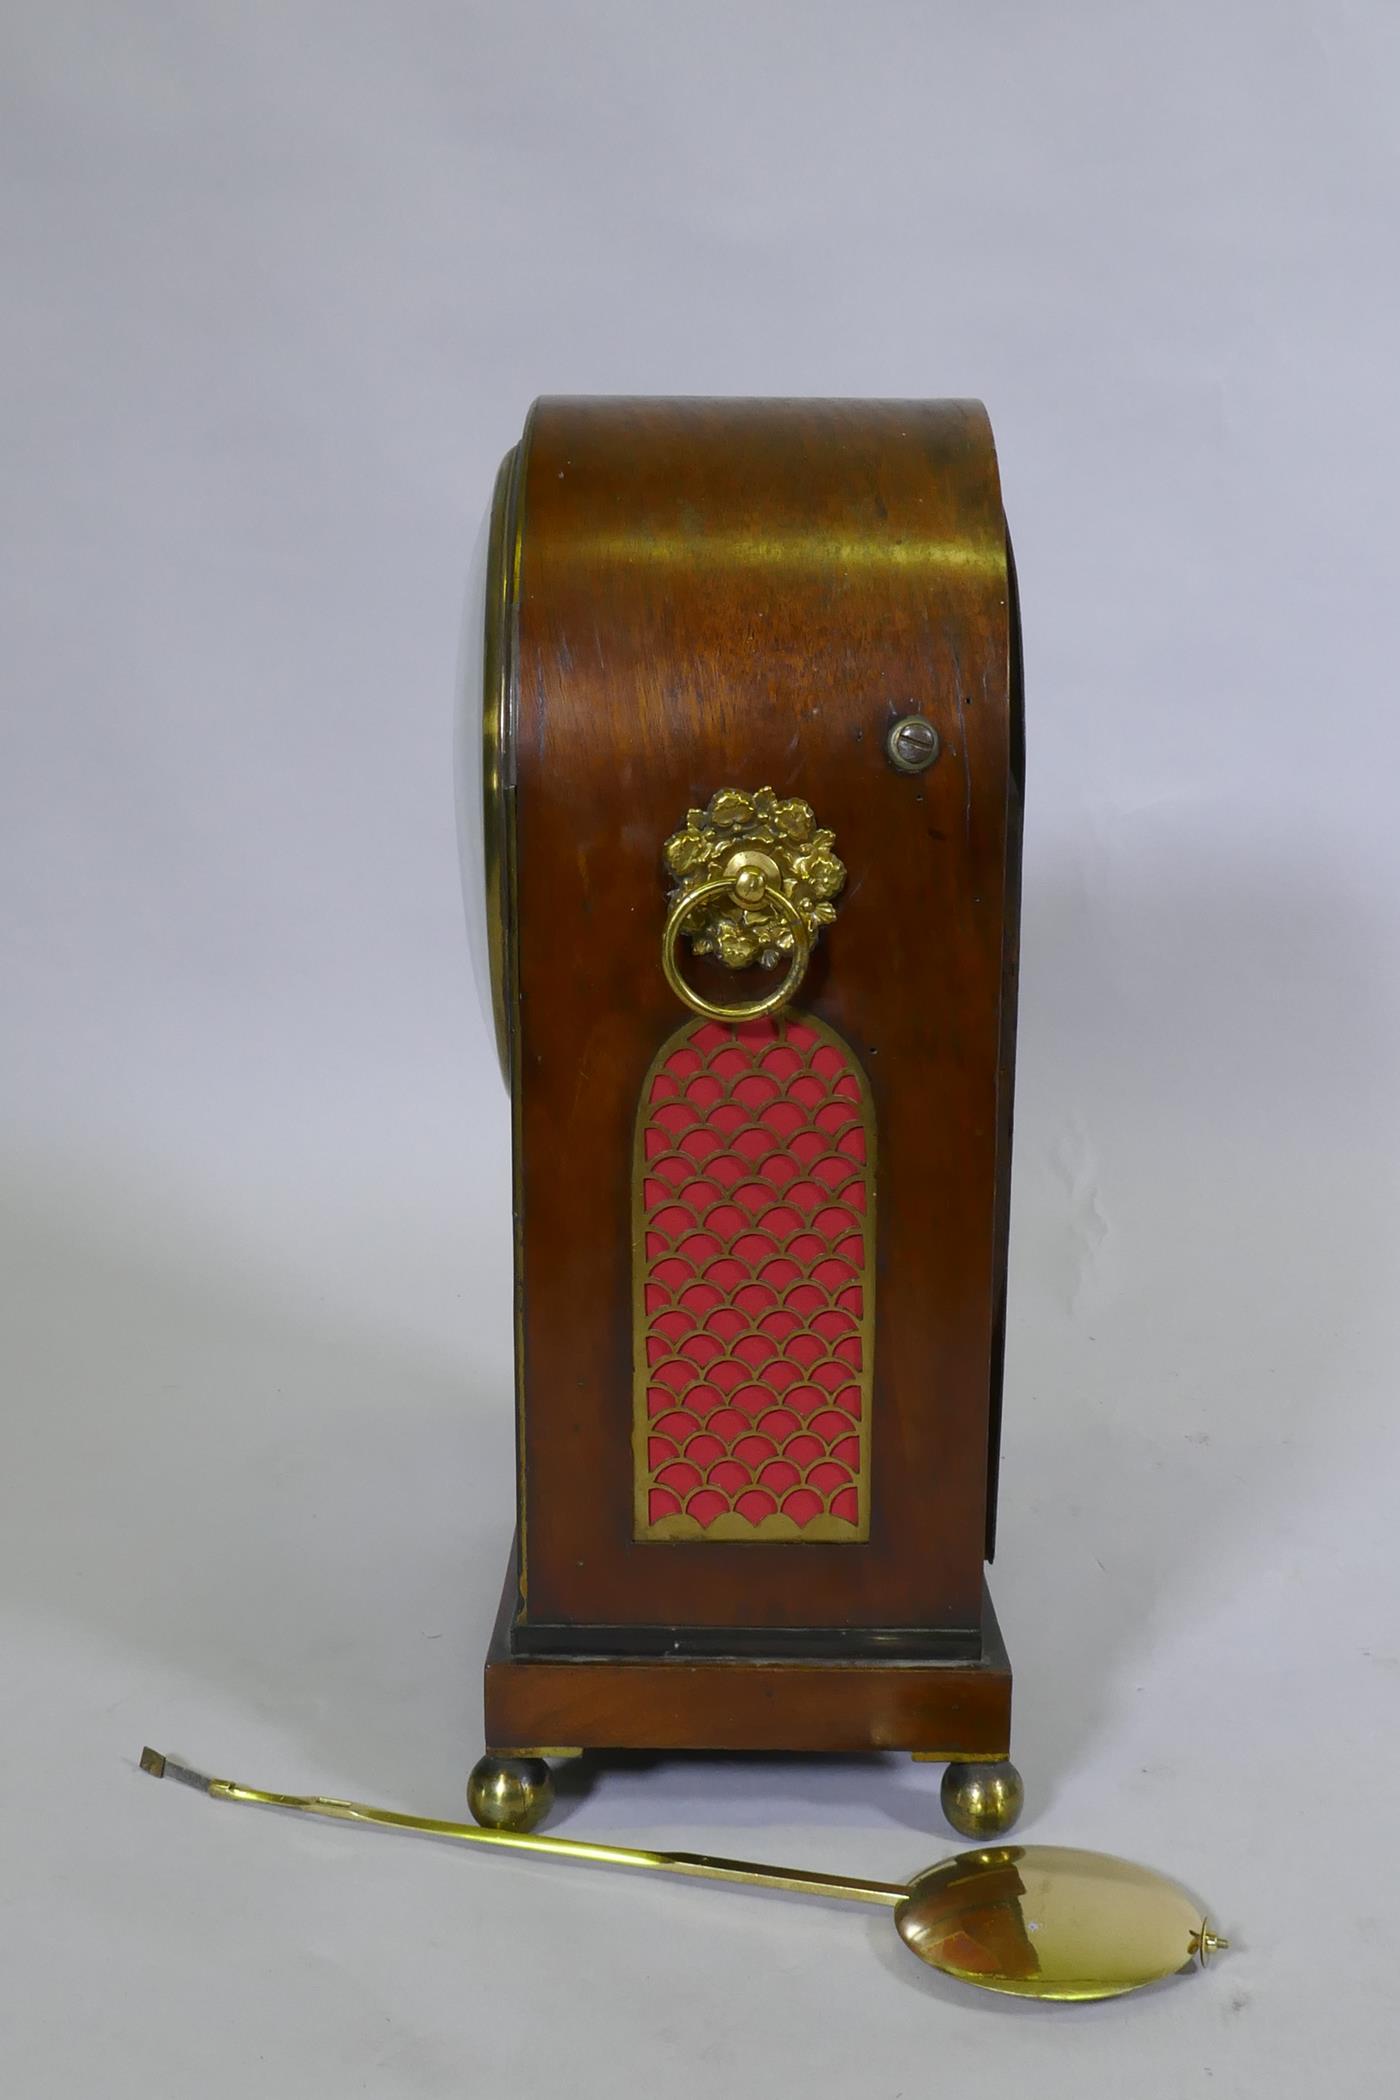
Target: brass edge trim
(513, 533)
(777, 1529)
(496, 751)
(1008, 999)
(564, 1752)
(961, 1757)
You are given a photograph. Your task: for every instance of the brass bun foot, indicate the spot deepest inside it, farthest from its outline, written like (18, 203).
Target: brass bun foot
(982, 1801)
(510, 1793)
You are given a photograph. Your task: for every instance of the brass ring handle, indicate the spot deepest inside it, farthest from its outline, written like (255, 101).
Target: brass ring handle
(743, 1009)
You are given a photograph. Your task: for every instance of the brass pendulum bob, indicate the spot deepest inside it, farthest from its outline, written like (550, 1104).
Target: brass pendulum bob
(1038, 1921)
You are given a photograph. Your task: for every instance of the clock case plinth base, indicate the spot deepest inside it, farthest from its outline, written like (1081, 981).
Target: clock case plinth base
(954, 1708)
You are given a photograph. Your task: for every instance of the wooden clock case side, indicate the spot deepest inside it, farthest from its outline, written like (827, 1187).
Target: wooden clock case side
(707, 593)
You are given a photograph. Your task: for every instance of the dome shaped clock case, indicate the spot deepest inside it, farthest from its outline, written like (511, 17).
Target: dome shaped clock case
(740, 778)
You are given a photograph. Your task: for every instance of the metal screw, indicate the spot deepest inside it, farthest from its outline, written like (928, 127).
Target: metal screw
(912, 745)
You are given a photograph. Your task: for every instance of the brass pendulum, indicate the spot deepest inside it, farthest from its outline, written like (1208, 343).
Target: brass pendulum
(1038, 1921)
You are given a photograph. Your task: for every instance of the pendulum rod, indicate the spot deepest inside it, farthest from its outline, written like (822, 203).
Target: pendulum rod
(699, 1866)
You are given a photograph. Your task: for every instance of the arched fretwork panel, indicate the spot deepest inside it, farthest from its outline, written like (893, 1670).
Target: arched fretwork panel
(753, 1212)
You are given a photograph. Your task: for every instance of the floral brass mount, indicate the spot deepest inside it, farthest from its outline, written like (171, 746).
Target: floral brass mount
(755, 879)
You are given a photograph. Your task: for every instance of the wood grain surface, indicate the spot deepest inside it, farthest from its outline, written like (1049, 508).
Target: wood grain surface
(732, 593)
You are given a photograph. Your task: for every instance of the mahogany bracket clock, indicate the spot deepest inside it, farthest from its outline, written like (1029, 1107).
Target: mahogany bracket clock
(741, 781)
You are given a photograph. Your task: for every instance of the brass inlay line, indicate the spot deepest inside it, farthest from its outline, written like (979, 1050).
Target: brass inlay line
(800, 547)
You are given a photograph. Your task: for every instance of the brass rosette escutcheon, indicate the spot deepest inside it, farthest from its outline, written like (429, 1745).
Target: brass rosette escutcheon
(756, 877)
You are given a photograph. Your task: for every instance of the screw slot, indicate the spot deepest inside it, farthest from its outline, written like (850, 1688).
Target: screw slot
(912, 744)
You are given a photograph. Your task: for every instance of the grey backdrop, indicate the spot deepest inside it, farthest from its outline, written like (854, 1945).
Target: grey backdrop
(281, 279)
